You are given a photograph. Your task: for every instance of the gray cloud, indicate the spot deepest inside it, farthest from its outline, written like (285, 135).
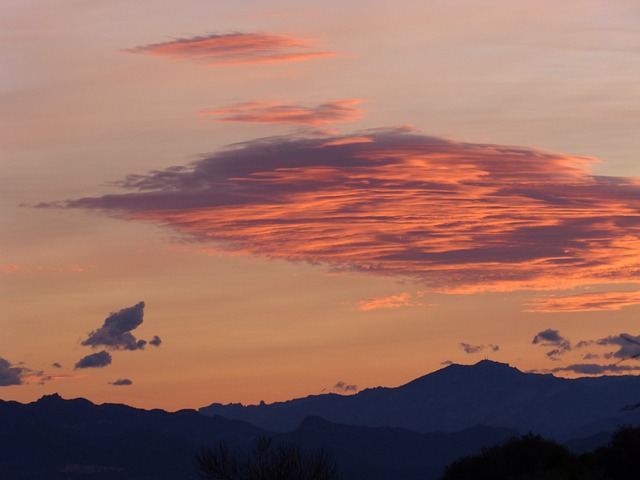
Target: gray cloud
(95, 360)
(595, 369)
(10, 375)
(115, 333)
(56, 365)
(552, 338)
(155, 341)
(344, 387)
(629, 346)
(469, 348)
(121, 382)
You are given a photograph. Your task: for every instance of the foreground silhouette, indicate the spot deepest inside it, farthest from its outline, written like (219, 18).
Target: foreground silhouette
(531, 457)
(267, 461)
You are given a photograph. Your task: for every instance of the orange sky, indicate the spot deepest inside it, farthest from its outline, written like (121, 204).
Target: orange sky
(296, 198)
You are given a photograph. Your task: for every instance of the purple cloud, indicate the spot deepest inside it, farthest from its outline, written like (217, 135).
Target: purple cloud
(454, 216)
(95, 360)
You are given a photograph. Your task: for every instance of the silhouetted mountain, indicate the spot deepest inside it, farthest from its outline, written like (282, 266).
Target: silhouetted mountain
(461, 396)
(384, 453)
(55, 438)
(58, 439)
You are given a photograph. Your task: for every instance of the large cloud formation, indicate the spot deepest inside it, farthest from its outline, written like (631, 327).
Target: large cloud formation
(235, 48)
(116, 334)
(456, 217)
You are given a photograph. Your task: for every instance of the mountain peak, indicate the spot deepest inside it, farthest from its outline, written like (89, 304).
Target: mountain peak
(54, 397)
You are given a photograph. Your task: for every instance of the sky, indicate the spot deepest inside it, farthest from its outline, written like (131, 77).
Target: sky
(214, 201)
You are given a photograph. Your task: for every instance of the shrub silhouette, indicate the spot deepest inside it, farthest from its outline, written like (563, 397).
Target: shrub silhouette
(267, 461)
(620, 458)
(529, 457)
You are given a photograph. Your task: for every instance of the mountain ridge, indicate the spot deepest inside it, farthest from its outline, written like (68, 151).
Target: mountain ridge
(459, 396)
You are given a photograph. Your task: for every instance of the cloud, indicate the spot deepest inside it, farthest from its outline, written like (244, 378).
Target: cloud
(272, 112)
(585, 302)
(344, 387)
(10, 375)
(155, 341)
(629, 346)
(56, 365)
(121, 382)
(454, 216)
(116, 334)
(552, 338)
(405, 299)
(595, 369)
(95, 360)
(468, 348)
(235, 48)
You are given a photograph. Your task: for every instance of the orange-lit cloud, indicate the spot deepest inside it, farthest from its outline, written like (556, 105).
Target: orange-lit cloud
(454, 216)
(585, 302)
(279, 113)
(405, 299)
(235, 48)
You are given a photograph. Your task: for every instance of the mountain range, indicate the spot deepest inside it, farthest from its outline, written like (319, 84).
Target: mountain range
(461, 396)
(412, 431)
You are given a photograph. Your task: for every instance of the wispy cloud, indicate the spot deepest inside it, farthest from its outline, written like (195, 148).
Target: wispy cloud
(236, 48)
(405, 299)
(585, 302)
(470, 348)
(457, 217)
(596, 369)
(280, 113)
(345, 387)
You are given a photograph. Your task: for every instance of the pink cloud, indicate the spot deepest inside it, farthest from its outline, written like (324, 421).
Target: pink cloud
(406, 299)
(273, 112)
(585, 302)
(453, 216)
(235, 48)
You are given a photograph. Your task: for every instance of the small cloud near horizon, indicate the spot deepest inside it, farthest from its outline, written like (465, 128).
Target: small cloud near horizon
(469, 348)
(596, 369)
(345, 387)
(94, 360)
(552, 338)
(10, 374)
(121, 382)
(236, 48)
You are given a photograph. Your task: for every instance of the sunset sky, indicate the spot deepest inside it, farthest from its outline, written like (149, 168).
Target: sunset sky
(214, 201)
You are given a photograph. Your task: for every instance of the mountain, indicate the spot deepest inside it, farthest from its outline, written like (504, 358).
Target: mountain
(462, 396)
(58, 439)
(384, 453)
